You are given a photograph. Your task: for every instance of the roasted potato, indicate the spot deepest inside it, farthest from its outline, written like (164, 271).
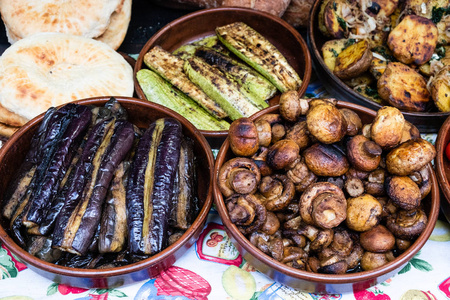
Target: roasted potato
(382, 8)
(332, 17)
(440, 89)
(413, 40)
(403, 88)
(353, 60)
(425, 8)
(443, 27)
(364, 79)
(377, 67)
(330, 51)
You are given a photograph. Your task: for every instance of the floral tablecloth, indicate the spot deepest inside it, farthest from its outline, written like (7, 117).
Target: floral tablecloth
(214, 269)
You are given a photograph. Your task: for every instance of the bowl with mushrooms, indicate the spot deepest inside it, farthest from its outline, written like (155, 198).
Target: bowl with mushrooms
(378, 53)
(324, 195)
(442, 165)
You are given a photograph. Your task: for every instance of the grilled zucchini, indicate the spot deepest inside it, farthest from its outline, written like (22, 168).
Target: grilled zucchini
(254, 49)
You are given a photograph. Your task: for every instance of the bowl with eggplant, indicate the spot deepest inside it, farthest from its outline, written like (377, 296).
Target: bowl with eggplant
(385, 53)
(104, 191)
(222, 63)
(326, 196)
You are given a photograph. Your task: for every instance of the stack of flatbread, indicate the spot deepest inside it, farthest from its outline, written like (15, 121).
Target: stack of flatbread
(61, 51)
(104, 20)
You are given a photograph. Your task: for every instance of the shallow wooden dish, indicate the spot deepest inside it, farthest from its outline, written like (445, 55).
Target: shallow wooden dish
(426, 122)
(141, 113)
(442, 166)
(202, 23)
(314, 282)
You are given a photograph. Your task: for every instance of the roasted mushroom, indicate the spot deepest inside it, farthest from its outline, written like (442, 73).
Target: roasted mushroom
(243, 137)
(406, 224)
(354, 123)
(422, 179)
(292, 106)
(299, 134)
(277, 125)
(283, 154)
(272, 223)
(403, 192)
(371, 260)
(247, 212)
(326, 160)
(378, 239)
(363, 153)
(264, 130)
(326, 123)
(238, 175)
(259, 158)
(301, 176)
(363, 212)
(278, 190)
(387, 127)
(323, 204)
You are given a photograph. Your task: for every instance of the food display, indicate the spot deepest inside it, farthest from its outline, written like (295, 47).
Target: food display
(106, 21)
(96, 191)
(391, 52)
(49, 69)
(319, 189)
(218, 78)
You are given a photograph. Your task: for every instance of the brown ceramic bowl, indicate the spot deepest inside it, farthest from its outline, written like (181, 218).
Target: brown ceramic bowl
(202, 23)
(141, 113)
(442, 166)
(426, 122)
(314, 282)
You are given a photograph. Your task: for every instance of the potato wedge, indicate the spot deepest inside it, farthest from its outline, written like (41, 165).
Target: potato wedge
(377, 67)
(353, 60)
(320, 18)
(440, 89)
(332, 18)
(330, 51)
(403, 88)
(382, 8)
(413, 40)
(443, 29)
(425, 8)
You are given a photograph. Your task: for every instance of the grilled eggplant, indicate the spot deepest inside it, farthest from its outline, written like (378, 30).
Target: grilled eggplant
(150, 186)
(253, 48)
(220, 88)
(256, 87)
(170, 67)
(107, 145)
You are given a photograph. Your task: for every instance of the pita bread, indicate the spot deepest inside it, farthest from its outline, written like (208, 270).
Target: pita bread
(50, 69)
(80, 17)
(118, 27)
(10, 118)
(7, 131)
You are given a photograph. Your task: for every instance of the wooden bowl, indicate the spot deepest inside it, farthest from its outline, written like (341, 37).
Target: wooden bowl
(202, 23)
(141, 113)
(442, 166)
(315, 282)
(426, 122)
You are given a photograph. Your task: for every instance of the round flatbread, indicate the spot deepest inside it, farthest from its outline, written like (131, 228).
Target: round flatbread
(118, 27)
(10, 118)
(80, 17)
(50, 69)
(7, 131)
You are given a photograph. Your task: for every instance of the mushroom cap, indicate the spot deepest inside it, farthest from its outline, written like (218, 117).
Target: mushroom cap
(243, 137)
(363, 212)
(326, 123)
(378, 239)
(403, 191)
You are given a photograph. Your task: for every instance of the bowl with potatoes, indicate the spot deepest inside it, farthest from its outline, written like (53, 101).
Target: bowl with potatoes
(228, 46)
(326, 196)
(389, 53)
(73, 208)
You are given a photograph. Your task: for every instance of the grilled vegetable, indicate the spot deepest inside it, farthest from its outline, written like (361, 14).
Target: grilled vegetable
(184, 200)
(170, 68)
(150, 186)
(78, 119)
(107, 145)
(334, 22)
(254, 85)
(331, 50)
(212, 42)
(353, 60)
(440, 89)
(259, 53)
(220, 88)
(162, 92)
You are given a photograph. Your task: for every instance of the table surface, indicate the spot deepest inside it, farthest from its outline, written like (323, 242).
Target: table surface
(426, 276)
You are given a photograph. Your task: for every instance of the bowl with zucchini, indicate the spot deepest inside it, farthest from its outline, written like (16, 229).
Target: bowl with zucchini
(385, 53)
(216, 65)
(104, 191)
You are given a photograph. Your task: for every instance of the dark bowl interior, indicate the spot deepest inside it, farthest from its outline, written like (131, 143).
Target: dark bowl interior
(202, 23)
(426, 122)
(442, 166)
(141, 113)
(314, 282)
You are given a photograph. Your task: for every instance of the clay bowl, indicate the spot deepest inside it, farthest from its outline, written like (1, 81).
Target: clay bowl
(314, 282)
(426, 122)
(442, 166)
(202, 23)
(141, 113)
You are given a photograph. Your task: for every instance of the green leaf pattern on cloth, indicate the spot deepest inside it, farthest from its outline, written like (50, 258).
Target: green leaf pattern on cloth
(418, 264)
(7, 266)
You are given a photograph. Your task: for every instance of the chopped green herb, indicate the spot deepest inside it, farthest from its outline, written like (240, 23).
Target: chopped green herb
(383, 52)
(335, 54)
(349, 42)
(440, 51)
(342, 23)
(438, 12)
(358, 89)
(334, 6)
(371, 92)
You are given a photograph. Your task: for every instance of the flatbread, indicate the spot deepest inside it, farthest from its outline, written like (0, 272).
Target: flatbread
(80, 17)
(10, 118)
(118, 27)
(50, 69)
(7, 131)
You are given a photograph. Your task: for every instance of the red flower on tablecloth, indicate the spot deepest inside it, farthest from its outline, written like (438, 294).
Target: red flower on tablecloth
(177, 281)
(371, 294)
(17, 264)
(444, 287)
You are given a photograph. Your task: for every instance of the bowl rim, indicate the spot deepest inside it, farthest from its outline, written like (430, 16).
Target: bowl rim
(399, 261)
(228, 9)
(136, 266)
(441, 140)
(318, 56)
